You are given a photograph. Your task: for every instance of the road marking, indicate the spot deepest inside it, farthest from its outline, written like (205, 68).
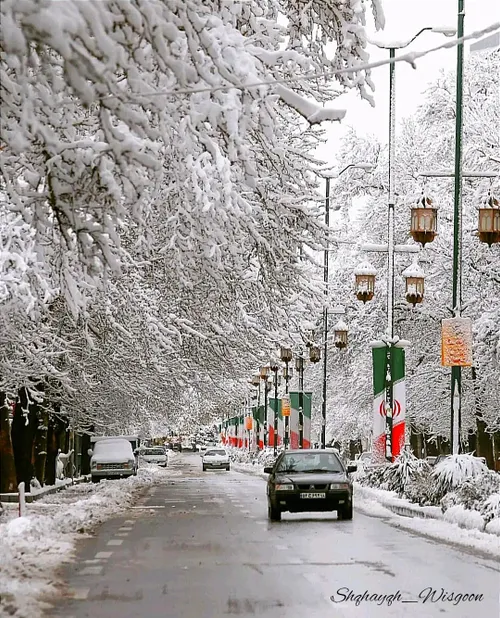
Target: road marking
(115, 542)
(145, 508)
(93, 561)
(282, 547)
(169, 500)
(122, 534)
(261, 523)
(124, 529)
(91, 570)
(80, 593)
(104, 554)
(129, 522)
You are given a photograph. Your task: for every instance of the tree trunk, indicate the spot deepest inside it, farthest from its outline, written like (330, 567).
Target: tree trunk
(8, 480)
(50, 464)
(85, 456)
(23, 433)
(40, 444)
(484, 440)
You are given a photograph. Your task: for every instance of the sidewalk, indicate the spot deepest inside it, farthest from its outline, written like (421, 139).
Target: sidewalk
(36, 494)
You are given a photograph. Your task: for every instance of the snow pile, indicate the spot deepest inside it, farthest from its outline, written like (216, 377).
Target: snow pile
(32, 547)
(461, 486)
(454, 470)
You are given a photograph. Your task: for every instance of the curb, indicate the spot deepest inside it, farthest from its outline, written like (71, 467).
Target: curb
(45, 491)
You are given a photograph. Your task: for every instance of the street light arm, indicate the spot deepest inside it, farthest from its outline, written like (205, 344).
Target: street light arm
(402, 45)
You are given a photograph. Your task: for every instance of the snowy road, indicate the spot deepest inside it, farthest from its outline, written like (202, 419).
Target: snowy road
(200, 546)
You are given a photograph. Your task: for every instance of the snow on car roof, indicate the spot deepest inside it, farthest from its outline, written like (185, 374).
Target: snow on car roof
(112, 444)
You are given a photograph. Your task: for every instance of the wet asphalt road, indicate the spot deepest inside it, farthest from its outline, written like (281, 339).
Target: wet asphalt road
(200, 546)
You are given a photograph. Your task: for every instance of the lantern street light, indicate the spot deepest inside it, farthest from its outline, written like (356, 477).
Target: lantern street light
(286, 355)
(366, 167)
(299, 366)
(340, 331)
(415, 278)
(391, 247)
(423, 227)
(456, 308)
(274, 368)
(489, 222)
(365, 275)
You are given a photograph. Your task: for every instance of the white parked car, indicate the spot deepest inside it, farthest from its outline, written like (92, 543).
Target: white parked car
(154, 454)
(216, 459)
(112, 458)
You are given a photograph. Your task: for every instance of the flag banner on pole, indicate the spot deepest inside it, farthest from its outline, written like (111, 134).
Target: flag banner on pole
(379, 402)
(294, 419)
(272, 407)
(379, 413)
(399, 390)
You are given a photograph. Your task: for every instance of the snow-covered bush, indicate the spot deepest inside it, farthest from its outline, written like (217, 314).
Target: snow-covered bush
(373, 477)
(452, 472)
(490, 509)
(406, 469)
(473, 493)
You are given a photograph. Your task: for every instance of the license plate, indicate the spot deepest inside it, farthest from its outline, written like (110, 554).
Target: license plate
(313, 495)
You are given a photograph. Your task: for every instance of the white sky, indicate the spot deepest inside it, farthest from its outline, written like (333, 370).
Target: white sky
(404, 18)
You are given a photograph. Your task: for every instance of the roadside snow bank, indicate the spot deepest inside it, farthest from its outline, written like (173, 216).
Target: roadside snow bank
(34, 546)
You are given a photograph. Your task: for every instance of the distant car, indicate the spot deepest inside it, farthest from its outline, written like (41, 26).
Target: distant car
(216, 459)
(154, 454)
(309, 480)
(112, 458)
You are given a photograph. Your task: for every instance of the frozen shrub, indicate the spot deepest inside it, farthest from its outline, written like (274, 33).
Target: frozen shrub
(473, 492)
(372, 477)
(452, 472)
(419, 490)
(490, 509)
(406, 469)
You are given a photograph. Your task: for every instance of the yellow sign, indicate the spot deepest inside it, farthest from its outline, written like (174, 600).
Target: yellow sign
(285, 406)
(456, 342)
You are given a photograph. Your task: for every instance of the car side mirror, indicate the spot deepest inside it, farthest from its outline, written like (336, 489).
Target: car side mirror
(351, 469)
(90, 452)
(268, 470)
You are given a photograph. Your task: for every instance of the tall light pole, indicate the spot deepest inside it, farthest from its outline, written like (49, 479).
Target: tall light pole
(286, 356)
(274, 368)
(389, 383)
(367, 167)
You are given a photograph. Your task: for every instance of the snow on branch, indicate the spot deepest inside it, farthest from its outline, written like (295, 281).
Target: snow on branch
(311, 111)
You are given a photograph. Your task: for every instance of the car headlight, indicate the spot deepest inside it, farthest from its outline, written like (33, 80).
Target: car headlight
(339, 486)
(93, 465)
(284, 487)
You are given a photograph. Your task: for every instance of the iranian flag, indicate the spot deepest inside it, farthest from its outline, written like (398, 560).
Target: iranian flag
(380, 369)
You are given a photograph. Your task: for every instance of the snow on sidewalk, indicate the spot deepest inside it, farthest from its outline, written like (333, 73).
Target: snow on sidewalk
(34, 546)
(377, 502)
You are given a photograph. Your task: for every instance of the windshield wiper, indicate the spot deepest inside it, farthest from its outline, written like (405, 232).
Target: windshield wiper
(316, 470)
(290, 471)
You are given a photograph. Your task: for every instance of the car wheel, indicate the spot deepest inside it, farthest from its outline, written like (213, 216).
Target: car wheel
(204, 468)
(345, 513)
(273, 513)
(228, 468)
(95, 479)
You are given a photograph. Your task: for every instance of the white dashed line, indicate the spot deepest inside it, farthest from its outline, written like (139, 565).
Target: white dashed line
(261, 523)
(103, 555)
(115, 542)
(91, 570)
(129, 522)
(281, 547)
(93, 561)
(124, 529)
(80, 593)
(121, 534)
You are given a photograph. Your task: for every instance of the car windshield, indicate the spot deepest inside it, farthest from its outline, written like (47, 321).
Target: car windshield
(218, 452)
(309, 462)
(154, 451)
(112, 446)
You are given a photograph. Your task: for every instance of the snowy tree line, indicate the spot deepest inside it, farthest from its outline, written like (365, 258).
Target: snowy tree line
(425, 141)
(157, 186)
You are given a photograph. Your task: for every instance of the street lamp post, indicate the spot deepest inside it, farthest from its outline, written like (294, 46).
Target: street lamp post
(456, 307)
(367, 168)
(389, 391)
(299, 366)
(286, 356)
(274, 368)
